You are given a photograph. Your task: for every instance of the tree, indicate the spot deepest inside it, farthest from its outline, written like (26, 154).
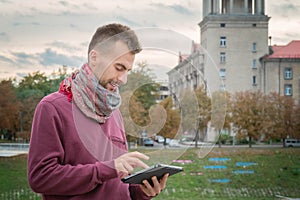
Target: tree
(195, 108)
(171, 126)
(248, 114)
(189, 109)
(204, 103)
(296, 122)
(142, 85)
(32, 88)
(9, 107)
(280, 111)
(219, 117)
(54, 80)
(30, 91)
(138, 98)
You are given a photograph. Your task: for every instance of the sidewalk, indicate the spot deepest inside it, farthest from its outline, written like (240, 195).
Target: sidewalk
(11, 153)
(13, 149)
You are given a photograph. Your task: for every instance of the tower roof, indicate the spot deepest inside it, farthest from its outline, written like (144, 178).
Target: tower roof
(291, 50)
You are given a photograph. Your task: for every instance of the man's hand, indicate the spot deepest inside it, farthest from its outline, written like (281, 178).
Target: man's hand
(158, 186)
(128, 161)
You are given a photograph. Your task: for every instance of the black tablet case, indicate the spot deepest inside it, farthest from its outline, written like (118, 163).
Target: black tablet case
(158, 170)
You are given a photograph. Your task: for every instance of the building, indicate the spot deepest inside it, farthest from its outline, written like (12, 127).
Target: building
(163, 91)
(234, 54)
(188, 73)
(281, 70)
(235, 35)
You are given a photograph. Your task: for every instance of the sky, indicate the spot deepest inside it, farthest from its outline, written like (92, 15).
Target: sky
(43, 35)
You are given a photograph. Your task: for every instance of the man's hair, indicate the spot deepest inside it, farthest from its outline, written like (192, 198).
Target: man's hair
(107, 35)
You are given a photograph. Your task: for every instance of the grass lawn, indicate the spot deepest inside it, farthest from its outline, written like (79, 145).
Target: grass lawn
(269, 172)
(242, 174)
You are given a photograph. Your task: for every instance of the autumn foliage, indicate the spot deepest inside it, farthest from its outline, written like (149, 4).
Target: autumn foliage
(252, 115)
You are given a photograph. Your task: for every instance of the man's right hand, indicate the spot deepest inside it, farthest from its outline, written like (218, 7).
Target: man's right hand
(128, 161)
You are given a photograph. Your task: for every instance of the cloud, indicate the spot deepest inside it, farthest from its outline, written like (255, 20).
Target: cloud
(26, 24)
(163, 40)
(6, 60)
(173, 7)
(24, 58)
(88, 6)
(57, 32)
(284, 17)
(126, 20)
(5, 1)
(64, 46)
(18, 60)
(21, 74)
(4, 37)
(50, 58)
(64, 3)
(19, 64)
(286, 10)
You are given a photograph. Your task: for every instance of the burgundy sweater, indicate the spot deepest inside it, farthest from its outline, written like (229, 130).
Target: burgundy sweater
(64, 164)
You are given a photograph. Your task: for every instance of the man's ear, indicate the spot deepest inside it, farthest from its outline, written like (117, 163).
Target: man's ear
(92, 58)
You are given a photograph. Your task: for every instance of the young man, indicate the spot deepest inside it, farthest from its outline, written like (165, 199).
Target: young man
(78, 144)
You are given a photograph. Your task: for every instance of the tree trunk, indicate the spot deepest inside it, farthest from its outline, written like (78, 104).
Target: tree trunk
(196, 139)
(250, 142)
(219, 140)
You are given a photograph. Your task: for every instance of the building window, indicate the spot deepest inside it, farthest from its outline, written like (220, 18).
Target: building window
(222, 25)
(254, 82)
(222, 57)
(223, 73)
(254, 47)
(163, 88)
(254, 64)
(288, 90)
(222, 41)
(288, 73)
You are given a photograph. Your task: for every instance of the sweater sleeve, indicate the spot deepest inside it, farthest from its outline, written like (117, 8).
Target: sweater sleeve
(46, 172)
(136, 193)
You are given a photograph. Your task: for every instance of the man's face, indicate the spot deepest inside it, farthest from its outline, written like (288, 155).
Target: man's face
(112, 68)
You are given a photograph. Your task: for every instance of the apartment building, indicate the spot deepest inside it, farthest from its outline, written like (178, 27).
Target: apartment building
(234, 54)
(235, 35)
(188, 74)
(281, 70)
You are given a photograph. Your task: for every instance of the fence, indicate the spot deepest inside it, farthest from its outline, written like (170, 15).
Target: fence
(14, 146)
(21, 194)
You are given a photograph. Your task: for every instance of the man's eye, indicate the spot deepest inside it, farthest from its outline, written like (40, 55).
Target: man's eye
(119, 68)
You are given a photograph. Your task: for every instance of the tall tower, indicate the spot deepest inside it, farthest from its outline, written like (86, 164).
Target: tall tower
(235, 35)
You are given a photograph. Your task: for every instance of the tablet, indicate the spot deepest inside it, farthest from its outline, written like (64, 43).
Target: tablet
(158, 170)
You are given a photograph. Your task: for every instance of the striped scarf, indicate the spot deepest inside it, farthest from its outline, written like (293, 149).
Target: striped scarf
(91, 98)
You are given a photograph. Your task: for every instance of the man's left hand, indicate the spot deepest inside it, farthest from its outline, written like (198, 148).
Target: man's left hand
(157, 188)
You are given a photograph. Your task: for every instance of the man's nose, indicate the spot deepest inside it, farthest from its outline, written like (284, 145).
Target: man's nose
(123, 78)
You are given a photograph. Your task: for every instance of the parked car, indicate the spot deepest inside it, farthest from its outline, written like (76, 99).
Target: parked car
(159, 139)
(174, 143)
(191, 142)
(148, 142)
(187, 141)
(292, 142)
(168, 141)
